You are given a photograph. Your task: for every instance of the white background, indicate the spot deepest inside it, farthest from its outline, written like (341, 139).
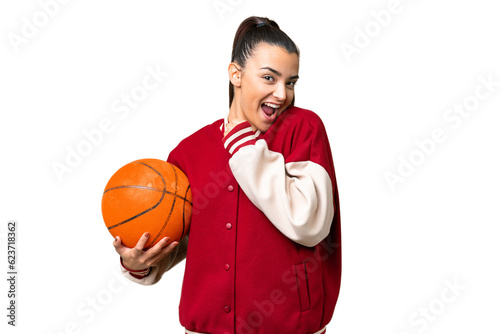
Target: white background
(402, 247)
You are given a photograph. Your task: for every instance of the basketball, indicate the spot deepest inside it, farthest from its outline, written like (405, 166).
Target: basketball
(147, 195)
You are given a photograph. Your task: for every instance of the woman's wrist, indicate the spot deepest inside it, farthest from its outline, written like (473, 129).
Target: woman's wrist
(140, 273)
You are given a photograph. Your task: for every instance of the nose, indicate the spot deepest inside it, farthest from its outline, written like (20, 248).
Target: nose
(280, 92)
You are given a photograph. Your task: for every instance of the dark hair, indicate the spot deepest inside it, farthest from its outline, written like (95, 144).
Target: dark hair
(250, 33)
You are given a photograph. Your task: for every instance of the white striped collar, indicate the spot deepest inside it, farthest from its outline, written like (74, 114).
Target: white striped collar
(226, 121)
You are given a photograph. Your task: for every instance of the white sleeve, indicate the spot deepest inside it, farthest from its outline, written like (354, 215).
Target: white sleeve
(297, 197)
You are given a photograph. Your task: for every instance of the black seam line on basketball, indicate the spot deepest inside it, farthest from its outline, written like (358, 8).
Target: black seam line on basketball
(149, 188)
(171, 209)
(184, 212)
(152, 208)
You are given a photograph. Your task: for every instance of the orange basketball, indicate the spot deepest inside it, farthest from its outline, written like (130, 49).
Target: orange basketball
(147, 195)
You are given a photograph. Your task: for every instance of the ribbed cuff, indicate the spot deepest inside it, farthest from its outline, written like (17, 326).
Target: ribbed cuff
(136, 273)
(241, 135)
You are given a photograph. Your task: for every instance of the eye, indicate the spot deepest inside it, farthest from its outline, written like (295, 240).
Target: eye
(292, 83)
(268, 78)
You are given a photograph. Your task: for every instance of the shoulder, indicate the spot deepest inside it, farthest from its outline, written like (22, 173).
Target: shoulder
(202, 134)
(295, 129)
(299, 115)
(200, 142)
(300, 119)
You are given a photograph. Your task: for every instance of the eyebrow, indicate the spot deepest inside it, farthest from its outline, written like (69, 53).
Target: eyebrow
(277, 73)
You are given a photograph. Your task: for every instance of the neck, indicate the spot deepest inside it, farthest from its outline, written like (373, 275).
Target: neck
(236, 114)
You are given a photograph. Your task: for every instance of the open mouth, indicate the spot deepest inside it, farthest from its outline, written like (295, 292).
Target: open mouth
(270, 109)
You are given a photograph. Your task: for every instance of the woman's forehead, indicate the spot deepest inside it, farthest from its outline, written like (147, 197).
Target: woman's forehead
(266, 56)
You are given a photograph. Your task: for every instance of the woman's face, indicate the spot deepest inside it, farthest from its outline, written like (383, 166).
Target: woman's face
(266, 86)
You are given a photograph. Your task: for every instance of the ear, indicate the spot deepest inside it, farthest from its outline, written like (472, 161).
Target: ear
(234, 72)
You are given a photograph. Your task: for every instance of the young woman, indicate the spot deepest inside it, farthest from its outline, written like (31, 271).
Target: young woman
(264, 243)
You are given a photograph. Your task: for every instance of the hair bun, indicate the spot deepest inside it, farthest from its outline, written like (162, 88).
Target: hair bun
(264, 22)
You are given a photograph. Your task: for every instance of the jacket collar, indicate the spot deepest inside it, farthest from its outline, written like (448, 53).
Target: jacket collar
(226, 121)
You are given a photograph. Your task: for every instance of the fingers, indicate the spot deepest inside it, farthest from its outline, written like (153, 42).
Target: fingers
(138, 257)
(142, 241)
(158, 247)
(161, 247)
(163, 252)
(117, 242)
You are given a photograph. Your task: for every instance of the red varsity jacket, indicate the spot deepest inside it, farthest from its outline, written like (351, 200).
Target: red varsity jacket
(263, 253)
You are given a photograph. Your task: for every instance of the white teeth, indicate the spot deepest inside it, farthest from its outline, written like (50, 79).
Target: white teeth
(275, 106)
